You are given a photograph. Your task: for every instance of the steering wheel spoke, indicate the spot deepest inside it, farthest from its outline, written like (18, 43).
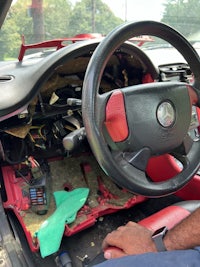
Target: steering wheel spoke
(185, 146)
(138, 159)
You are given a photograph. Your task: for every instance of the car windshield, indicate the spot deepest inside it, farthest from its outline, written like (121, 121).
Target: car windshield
(36, 21)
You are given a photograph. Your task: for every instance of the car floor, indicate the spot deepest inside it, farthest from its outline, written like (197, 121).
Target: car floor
(83, 246)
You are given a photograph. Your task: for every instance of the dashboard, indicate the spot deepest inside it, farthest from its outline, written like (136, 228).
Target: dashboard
(50, 123)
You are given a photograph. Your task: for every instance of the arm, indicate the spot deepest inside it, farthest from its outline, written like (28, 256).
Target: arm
(186, 234)
(136, 239)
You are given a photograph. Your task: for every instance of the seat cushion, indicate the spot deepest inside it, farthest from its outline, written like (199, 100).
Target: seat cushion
(171, 215)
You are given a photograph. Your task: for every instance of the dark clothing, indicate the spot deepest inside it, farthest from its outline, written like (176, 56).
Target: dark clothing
(177, 258)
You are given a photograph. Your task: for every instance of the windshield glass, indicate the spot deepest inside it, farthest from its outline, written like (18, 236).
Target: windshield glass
(36, 21)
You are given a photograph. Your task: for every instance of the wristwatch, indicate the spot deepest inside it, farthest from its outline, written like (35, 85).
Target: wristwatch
(158, 236)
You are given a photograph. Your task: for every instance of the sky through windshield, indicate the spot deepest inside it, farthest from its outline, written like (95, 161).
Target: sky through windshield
(135, 9)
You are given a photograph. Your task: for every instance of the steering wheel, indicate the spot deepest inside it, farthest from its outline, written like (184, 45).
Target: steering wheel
(128, 126)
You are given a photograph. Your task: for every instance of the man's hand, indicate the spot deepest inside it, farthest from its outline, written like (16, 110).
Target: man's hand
(128, 240)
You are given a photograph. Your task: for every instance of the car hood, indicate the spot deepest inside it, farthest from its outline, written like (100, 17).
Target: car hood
(167, 55)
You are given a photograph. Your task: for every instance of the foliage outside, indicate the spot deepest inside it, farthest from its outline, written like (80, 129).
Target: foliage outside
(62, 19)
(183, 15)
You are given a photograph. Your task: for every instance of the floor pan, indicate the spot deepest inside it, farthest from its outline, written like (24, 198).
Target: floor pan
(107, 206)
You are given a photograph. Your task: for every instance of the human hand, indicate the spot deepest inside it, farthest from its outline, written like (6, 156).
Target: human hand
(128, 240)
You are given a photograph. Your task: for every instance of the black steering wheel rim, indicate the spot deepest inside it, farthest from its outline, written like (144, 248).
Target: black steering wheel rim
(118, 170)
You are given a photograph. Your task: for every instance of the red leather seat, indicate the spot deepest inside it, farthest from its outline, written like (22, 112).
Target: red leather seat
(170, 215)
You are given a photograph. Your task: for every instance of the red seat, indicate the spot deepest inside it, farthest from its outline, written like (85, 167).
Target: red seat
(170, 215)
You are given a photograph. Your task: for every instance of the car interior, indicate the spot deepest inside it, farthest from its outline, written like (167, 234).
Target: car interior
(98, 123)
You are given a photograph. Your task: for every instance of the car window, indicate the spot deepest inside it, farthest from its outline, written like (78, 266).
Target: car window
(33, 21)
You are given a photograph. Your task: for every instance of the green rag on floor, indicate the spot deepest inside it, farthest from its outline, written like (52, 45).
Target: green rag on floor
(51, 231)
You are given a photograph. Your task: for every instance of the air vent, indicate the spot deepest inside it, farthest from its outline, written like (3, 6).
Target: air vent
(6, 78)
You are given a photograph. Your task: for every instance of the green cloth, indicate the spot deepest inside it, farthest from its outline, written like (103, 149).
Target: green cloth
(51, 231)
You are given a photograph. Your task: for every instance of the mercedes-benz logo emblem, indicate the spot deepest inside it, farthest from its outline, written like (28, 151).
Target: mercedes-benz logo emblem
(166, 114)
